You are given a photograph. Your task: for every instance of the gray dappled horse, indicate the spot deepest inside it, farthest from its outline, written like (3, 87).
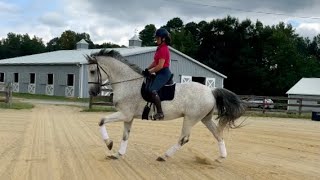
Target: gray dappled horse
(193, 101)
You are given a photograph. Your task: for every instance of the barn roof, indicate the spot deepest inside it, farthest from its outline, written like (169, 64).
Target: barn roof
(77, 57)
(306, 86)
(68, 56)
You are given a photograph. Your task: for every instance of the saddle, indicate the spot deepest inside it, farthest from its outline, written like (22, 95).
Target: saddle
(166, 93)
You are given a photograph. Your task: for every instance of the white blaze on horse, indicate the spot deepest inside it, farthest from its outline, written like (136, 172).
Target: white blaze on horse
(193, 101)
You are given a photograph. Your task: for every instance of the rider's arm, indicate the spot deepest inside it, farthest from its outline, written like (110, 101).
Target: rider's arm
(153, 64)
(157, 67)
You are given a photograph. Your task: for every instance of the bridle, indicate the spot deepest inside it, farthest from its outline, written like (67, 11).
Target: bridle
(99, 81)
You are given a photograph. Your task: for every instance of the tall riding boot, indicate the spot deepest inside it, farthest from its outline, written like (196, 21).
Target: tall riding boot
(157, 102)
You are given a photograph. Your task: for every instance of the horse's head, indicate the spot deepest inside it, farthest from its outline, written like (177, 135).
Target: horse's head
(109, 65)
(96, 75)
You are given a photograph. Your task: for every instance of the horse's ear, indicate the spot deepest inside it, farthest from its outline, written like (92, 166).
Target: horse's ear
(90, 59)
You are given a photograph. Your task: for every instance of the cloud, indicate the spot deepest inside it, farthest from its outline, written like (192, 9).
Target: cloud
(308, 29)
(115, 21)
(7, 8)
(52, 19)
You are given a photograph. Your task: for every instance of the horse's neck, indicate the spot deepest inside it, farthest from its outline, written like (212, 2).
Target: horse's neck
(119, 72)
(124, 81)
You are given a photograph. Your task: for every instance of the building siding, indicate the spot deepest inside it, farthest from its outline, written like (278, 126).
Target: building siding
(60, 77)
(304, 109)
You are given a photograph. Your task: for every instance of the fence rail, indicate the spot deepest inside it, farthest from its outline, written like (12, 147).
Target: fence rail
(278, 105)
(101, 100)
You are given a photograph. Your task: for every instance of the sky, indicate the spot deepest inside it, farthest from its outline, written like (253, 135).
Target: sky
(116, 21)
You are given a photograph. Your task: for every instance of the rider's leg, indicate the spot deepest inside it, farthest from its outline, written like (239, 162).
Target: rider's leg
(156, 99)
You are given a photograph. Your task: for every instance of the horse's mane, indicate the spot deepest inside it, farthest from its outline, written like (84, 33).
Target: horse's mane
(114, 54)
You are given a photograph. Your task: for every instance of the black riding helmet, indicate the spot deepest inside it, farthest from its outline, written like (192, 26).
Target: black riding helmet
(163, 33)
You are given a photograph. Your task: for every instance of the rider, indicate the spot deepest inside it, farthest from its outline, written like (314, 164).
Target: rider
(160, 66)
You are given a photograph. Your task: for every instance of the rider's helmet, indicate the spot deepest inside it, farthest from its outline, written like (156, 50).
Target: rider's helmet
(163, 33)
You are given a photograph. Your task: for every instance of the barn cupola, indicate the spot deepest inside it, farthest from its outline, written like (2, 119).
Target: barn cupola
(82, 44)
(135, 41)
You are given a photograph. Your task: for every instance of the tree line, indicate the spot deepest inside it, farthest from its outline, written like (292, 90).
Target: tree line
(15, 45)
(257, 59)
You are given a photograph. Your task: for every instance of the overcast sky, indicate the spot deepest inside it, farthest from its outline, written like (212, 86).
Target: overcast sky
(115, 20)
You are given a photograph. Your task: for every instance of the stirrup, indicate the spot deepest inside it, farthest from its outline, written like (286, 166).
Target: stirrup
(158, 116)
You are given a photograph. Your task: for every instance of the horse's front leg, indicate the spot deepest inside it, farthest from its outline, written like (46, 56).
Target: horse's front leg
(124, 141)
(118, 116)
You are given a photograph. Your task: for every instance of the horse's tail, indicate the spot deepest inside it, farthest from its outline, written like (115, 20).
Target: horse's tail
(229, 107)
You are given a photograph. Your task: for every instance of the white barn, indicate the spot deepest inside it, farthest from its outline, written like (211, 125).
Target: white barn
(308, 88)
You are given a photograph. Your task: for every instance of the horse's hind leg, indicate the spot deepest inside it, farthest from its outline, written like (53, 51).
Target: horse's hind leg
(217, 132)
(184, 138)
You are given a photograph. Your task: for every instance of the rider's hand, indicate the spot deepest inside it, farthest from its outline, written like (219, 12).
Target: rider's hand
(146, 73)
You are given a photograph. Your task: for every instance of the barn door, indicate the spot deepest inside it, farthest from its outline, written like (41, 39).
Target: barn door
(70, 86)
(211, 82)
(186, 79)
(50, 85)
(15, 84)
(32, 83)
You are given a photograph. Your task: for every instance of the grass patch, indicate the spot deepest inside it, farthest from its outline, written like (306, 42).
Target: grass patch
(100, 109)
(16, 105)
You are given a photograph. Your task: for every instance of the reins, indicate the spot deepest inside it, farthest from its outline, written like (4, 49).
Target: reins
(108, 83)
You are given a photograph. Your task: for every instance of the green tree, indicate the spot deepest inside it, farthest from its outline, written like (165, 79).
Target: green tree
(53, 45)
(175, 24)
(31, 46)
(147, 35)
(107, 45)
(185, 42)
(68, 40)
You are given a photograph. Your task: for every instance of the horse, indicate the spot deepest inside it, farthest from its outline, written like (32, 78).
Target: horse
(193, 101)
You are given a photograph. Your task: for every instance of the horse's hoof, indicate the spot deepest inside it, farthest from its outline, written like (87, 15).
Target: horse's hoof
(109, 144)
(161, 159)
(220, 159)
(101, 122)
(115, 156)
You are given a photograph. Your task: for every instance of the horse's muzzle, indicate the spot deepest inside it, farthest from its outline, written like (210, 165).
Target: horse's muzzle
(94, 91)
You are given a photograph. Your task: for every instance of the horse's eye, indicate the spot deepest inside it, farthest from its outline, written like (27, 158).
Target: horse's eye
(92, 72)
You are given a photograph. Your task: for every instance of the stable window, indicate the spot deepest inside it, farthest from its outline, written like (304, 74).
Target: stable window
(201, 80)
(16, 77)
(32, 78)
(50, 79)
(1, 77)
(70, 80)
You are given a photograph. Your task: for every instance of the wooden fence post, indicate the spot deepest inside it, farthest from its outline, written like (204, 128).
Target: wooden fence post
(300, 106)
(8, 94)
(90, 102)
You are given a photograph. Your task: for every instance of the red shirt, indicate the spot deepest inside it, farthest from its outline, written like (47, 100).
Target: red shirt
(162, 53)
